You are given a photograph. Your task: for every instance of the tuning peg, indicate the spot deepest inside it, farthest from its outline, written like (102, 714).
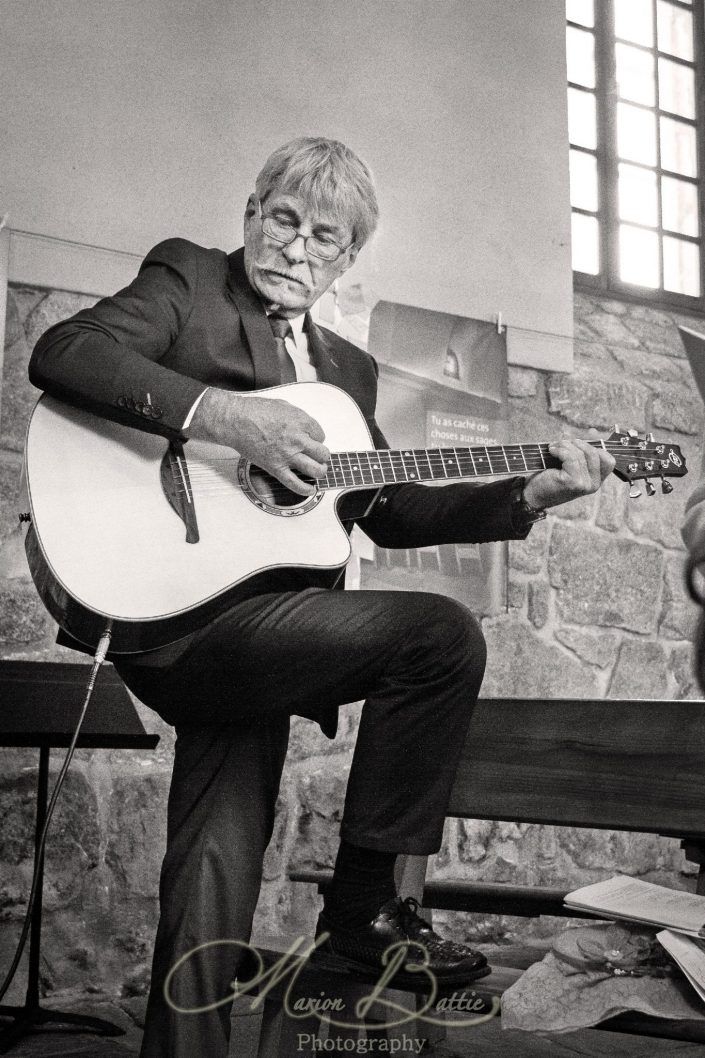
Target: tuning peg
(634, 491)
(650, 438)
(650, 488)
(666, 487)
(633, 433)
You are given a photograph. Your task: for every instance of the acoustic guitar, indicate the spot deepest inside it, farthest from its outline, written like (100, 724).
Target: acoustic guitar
(157, 537)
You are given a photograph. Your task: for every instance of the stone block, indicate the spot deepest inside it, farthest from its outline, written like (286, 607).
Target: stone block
(597, 648)
(612, 503)
(516, 594)
(612, 851)
(10, 470)
(137, 830)
(23, 618)
(605, 580)
(73, 842)
(522, 664)
(653, 369)
(18, 396)
(641, 671)
(679, 614)
(56, 306)
(523, 382)
(528, 555)
(678, 408)
(656, 329)
(539, 603)
(473, 839)
(659, 517)
(682, 666)
(609, 328)
(13, 322)
(274, 865)
(321, 796)
(589, 398)
(306, 739)
(587, 348)
(25, 301)
(581, 509)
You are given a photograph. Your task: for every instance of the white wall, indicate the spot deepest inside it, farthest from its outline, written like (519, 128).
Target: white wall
(131, 120)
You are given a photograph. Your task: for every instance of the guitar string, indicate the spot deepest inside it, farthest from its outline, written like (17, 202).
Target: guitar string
(435, 454)
(277, 490)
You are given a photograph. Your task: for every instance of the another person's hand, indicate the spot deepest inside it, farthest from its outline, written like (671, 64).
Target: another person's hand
(275, 435)
(583, 469)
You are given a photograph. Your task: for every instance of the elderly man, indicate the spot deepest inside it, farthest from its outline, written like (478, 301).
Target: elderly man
(183, 351)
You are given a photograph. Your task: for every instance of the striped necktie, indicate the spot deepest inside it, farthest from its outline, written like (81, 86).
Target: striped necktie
(281, 329)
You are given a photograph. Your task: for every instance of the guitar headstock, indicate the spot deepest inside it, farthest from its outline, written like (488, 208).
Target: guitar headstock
(643, 458)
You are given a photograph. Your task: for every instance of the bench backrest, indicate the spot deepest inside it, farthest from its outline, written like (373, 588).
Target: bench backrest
(622, 765)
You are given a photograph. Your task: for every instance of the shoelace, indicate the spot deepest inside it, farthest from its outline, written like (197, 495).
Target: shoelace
(410, 920)
(416, 928)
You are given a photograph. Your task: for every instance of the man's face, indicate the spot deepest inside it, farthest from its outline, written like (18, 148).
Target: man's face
(288, 279)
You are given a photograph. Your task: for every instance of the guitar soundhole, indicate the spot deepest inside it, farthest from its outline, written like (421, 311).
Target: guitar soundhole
(270, 495)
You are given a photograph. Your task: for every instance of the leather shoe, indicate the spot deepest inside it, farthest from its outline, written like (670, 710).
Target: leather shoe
(397, 922)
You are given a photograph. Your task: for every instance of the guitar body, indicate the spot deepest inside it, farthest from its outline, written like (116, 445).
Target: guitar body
(106, 541)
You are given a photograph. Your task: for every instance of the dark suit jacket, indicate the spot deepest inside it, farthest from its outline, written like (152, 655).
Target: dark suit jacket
(189, 320)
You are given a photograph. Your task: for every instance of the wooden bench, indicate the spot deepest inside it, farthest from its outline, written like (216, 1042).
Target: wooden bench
(608, 764)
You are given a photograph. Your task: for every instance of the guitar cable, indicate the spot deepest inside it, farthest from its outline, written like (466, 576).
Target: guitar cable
(98, 659)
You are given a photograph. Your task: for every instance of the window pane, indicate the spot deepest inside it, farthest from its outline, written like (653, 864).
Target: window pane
(634, 21)
(583, 180)
(636, 74)
(636, 134)
(675, 30)
(681, 266)
(580, 50)
(676, 87)
(678, 147)
(586, 244)
(680, 206)
(638, 197)
(638, 256)
(582, 122)
(582, 11)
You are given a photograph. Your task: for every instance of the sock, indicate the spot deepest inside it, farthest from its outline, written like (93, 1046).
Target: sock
(363, 880)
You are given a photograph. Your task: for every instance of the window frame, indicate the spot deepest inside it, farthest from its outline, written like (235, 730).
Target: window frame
(608, 281)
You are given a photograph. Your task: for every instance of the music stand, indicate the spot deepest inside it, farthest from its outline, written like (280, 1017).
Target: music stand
(41, 703)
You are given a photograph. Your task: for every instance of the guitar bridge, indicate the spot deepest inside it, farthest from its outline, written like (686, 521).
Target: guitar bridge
(176, 485)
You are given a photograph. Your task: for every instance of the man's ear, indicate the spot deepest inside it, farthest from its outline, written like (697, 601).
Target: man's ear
(251, 208)
(351, 256)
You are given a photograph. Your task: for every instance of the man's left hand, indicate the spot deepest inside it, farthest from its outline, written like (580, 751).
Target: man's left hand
(583, 469)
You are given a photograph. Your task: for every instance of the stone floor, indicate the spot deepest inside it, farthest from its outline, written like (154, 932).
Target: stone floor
(485, 1041)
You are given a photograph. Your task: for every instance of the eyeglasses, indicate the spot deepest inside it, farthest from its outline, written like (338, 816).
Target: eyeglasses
(316, 245)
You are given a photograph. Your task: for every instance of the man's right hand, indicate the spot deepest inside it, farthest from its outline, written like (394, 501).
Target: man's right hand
(276, 436)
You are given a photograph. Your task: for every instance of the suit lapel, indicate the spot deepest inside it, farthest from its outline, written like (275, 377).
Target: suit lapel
(263, 348)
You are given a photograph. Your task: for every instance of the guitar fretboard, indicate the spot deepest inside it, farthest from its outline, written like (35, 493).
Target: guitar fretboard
(386, 467)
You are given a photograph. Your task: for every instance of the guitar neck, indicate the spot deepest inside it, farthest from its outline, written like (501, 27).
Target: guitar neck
(387, 467)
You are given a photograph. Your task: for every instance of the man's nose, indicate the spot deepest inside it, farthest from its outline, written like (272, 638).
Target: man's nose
(295, 251)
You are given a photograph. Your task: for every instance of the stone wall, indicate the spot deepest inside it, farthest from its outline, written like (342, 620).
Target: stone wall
(596, 609)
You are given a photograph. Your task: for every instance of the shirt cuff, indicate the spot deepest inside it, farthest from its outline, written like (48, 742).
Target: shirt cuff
(192, 409)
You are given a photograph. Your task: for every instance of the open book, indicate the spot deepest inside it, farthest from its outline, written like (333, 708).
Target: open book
(636, 901)
(689, 953)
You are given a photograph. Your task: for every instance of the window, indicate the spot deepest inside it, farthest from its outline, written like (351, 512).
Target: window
(635, 121)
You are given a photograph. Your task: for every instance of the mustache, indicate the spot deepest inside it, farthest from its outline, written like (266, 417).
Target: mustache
(286, 275)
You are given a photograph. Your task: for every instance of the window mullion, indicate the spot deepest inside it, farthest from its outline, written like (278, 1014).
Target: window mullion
(607, 137)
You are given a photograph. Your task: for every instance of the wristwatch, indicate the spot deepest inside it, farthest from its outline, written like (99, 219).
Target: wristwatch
(523, 515)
